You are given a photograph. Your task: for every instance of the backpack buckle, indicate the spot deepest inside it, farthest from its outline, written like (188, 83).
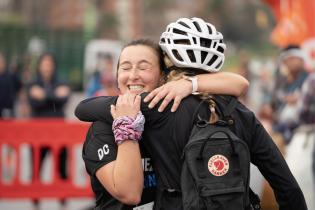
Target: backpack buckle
(202, 123)
(221, 123)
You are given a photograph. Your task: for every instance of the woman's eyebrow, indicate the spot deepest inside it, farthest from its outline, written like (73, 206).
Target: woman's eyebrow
(139, 62)
(125, 62)
(145, 61)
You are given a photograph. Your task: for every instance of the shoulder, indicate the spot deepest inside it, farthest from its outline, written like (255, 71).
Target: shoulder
(245, 116)
(99, 147)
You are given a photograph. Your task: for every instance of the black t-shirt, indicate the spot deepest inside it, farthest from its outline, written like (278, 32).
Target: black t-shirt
(166, 134)
(99, 149)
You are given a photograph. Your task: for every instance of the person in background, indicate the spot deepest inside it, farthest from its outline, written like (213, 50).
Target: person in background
(47, 97)
(307, 101)
(47, 94)
(10, 85)
(103, 81)
(307, 110)
(288, 87)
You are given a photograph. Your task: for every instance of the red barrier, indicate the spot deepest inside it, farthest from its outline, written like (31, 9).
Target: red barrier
(39, 133)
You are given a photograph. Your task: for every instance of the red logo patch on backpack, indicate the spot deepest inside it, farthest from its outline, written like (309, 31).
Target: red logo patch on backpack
(218, 165)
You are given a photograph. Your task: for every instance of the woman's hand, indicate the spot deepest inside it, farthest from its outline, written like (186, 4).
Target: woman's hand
(126, 105)
(37, 92)
(174, 90)
(62, 91)
(225, 83)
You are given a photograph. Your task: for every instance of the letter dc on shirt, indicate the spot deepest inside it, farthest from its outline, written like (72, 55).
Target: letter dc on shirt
(103, 151)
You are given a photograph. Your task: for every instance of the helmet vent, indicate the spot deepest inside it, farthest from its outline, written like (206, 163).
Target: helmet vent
(177, 56)
(177, 31)
(182, 41)
(205, 42)
(219, 64)
(191, 56)
(220, 49)
(184, 24)
(162, 40)
(197, 26)
(194, 39)
(213, 59)
(203, 56)
(209, 29)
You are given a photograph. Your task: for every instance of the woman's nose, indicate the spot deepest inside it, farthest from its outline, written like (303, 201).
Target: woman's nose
(134, 74)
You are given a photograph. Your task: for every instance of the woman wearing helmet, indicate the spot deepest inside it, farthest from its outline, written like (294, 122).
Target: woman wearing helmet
(196, 47)
(193, 43)
(166, 133)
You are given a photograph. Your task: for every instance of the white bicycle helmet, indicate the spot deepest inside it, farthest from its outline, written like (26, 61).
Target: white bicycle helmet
(193, 43)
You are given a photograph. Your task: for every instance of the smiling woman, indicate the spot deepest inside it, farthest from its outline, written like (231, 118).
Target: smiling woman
(139, 69)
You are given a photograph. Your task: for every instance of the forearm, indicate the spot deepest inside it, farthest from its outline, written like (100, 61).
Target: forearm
(123, 178)
(225, 83)
(94, 109)
(128, 172)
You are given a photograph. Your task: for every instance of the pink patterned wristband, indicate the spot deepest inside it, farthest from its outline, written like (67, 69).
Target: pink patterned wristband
(127, 128)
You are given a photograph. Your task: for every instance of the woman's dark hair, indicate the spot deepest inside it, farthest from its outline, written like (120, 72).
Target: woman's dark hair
(40, 59)
(149, 43)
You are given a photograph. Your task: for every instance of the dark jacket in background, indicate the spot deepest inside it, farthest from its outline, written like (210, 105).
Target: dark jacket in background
(10, 84)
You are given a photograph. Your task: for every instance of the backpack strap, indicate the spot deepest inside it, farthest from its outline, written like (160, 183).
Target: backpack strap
(230, 107)
(226, 112)
(254, 200)
(225, 106)
(196, 115)
(231, 102)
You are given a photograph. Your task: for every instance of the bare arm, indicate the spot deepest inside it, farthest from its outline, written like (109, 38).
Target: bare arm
(225, 83)
(123, 178)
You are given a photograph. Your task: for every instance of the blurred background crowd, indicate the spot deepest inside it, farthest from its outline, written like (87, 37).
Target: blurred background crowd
(54, 53)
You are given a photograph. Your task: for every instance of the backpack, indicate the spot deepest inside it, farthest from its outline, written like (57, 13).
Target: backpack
(216, 167)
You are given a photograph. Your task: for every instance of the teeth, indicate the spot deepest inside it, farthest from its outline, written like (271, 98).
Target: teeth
(135, 87)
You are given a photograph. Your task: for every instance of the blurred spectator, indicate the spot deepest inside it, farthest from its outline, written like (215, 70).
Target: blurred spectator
(307, 101)
(289, 81)
(47, 96)
(103, 81)
(307, 108)
(260, 91)
(9, 88)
